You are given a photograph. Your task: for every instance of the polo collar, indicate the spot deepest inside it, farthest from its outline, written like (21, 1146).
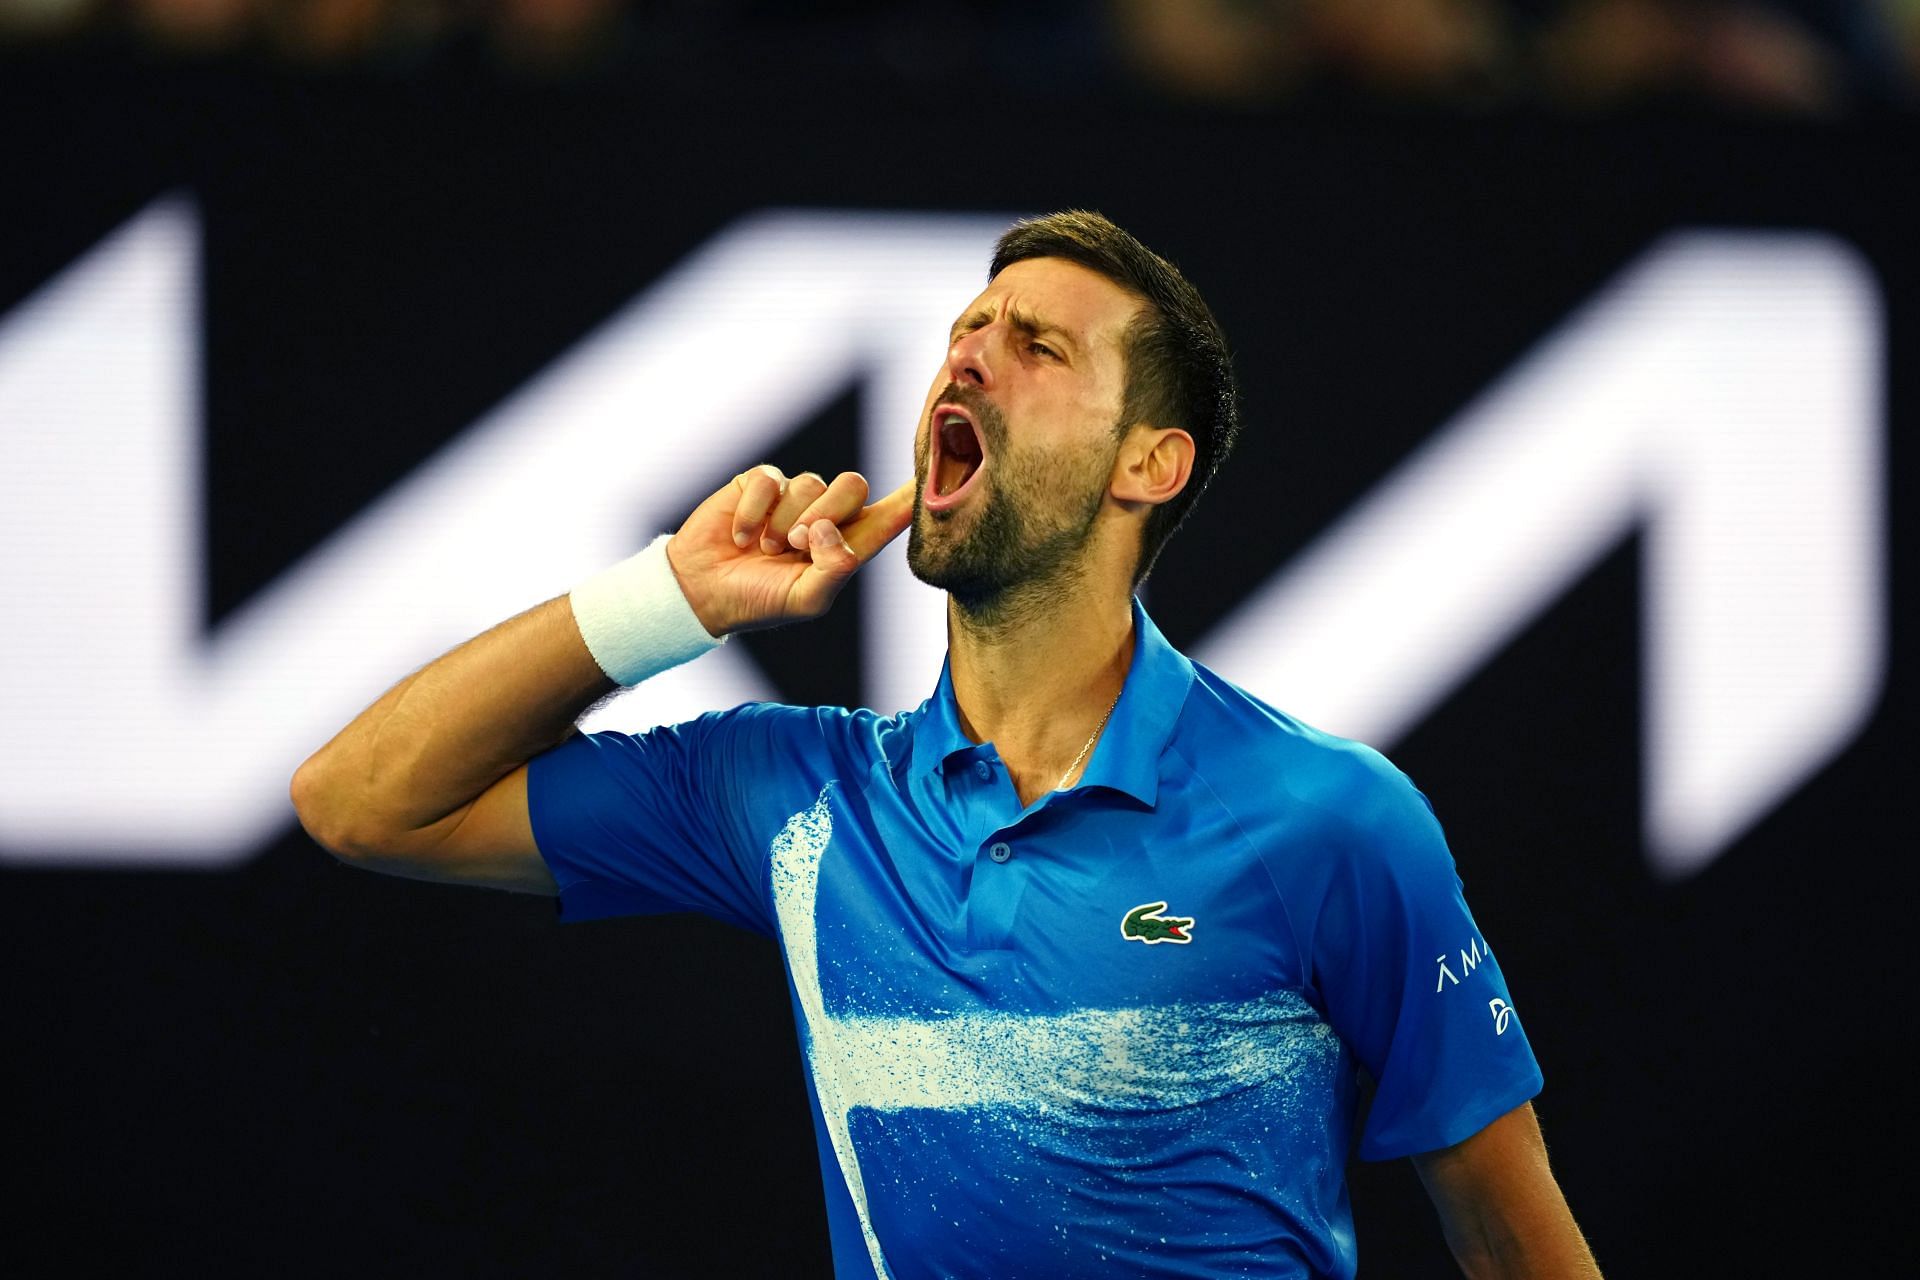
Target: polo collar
(1127, 757)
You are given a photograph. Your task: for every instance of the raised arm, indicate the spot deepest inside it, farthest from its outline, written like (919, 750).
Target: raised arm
(1501, 1209)
(430, 781)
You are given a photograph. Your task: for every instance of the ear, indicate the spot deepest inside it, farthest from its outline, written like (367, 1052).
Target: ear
(1153, 466)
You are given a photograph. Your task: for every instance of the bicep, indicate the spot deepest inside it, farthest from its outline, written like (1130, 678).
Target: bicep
(487, 842)
(1409, 984)
(1506, 1157)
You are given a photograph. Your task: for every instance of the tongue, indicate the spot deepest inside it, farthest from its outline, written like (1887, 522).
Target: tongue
(954, 473)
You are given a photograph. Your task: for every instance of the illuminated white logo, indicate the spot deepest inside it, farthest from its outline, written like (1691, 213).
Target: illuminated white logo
(1723, 394)
(1502, 1011)
(139, 737)
(1724, 391)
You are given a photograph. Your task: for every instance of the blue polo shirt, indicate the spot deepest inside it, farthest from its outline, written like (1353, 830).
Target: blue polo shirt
(1114, 1032)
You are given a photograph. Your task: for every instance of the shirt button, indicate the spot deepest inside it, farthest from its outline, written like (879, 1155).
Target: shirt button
(983, 770)
(1000, 851)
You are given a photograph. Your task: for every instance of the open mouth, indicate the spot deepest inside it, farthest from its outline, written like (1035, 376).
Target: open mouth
(958, 458)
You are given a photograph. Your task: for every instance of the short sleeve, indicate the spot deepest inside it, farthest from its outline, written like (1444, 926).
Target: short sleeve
(661, 821)
(1410, 983)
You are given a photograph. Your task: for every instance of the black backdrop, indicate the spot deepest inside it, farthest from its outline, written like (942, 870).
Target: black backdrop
(297, 1068)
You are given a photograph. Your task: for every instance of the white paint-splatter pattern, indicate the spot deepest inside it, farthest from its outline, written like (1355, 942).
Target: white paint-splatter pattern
(796, 886)
(1077, 1069)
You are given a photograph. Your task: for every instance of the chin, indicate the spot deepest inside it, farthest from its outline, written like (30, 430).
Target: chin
(932, 550)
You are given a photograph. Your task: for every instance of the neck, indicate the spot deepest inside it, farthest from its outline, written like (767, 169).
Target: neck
(1036, 682)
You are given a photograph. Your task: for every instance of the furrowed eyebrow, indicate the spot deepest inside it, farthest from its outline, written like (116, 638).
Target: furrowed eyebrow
(1034, 327)
(1025, 321)
(968, 323)
(1022, 321)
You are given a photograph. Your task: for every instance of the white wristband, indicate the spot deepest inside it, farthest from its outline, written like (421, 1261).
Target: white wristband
(636, 620)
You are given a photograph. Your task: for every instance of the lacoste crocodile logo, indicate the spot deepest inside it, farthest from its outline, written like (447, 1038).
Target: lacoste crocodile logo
(1145, 924)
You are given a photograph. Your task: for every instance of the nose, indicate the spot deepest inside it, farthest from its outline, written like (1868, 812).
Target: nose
(971, 357)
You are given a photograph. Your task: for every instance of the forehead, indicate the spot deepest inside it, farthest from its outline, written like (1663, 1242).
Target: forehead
(1079, 300)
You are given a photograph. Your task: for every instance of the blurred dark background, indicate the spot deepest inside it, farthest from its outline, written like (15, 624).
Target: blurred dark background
(1797, 57)
(409, 207)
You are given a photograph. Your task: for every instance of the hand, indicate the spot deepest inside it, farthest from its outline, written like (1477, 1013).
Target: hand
(764, 549)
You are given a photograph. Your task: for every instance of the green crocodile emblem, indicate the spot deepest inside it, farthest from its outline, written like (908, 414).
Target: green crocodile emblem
(1147, 925)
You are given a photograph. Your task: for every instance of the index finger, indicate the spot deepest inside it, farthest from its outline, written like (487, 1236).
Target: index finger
(880, 523)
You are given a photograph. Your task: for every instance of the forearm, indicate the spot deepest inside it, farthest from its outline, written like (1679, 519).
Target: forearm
(423, 782)
(443, 735)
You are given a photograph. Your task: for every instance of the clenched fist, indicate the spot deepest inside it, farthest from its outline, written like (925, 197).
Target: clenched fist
(765, 549)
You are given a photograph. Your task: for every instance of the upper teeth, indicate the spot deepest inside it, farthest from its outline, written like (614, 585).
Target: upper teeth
(952, 418)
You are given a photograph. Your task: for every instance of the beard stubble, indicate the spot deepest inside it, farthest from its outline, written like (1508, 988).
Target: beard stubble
(1029, 538)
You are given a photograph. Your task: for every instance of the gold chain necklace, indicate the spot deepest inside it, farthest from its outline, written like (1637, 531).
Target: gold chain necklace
(1090, 741)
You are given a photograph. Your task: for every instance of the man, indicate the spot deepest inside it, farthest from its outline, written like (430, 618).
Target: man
(1086, 951)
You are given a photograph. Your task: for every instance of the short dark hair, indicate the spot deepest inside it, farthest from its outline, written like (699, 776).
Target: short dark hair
(1179, 370)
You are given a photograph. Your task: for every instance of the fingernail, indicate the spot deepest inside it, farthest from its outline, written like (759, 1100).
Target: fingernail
(741, 538)
(797, 537)
(772, 546)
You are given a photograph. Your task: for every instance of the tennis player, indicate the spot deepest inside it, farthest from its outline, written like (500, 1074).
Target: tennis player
(1089, 953)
